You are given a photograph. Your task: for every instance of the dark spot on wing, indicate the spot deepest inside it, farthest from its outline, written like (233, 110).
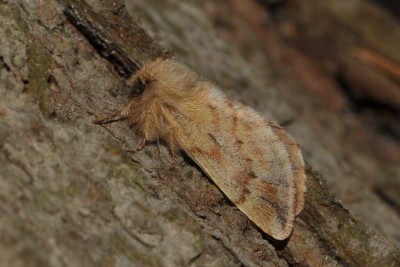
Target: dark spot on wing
(213, 139)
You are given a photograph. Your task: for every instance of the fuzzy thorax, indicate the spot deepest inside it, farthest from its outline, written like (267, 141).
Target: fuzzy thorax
(170, 93)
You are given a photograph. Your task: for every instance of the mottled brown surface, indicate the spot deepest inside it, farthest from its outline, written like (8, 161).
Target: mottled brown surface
(71, 196)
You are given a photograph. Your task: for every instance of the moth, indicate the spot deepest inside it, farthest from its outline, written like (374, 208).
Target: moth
(255, 162)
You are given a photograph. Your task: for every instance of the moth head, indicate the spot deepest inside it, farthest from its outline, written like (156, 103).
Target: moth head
(139, 85)
(162, 76)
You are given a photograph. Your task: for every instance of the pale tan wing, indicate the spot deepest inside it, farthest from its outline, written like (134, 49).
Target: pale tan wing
(256, 163)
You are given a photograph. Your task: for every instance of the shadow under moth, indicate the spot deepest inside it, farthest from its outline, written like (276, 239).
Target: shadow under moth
(255, 162)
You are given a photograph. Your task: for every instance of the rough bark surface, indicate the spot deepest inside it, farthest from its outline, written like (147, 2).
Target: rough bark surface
(71, 194)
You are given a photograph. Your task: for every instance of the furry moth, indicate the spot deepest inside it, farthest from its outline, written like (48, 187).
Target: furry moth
(256, 163)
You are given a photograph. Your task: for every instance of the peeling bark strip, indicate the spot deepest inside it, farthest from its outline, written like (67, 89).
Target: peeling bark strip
(100, 42)
(116, 48)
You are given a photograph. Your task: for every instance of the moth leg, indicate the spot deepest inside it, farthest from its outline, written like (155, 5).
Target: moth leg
(173, 157)
(158, 146)
(140, 147)
(145, 137)
(158, 149)
(122, 114)
(171, 143)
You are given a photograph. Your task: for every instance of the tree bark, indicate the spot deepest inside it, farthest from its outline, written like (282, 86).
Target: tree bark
(73, 195)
